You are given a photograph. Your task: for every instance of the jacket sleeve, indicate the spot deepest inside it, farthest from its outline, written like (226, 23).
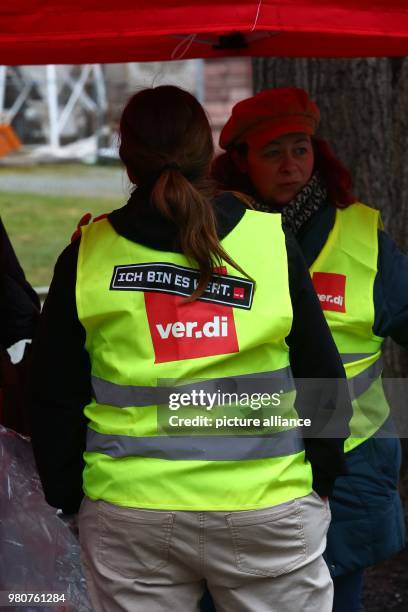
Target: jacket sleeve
(321, 386)
(19, 304)
(60, 387)
(391, 292)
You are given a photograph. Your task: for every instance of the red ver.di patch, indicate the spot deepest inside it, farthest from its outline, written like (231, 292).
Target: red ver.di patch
(182, 330)
(331, 290)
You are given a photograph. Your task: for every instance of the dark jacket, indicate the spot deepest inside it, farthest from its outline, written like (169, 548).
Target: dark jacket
(61, 381)
(19, 314)
(367, 518)
(19, 304)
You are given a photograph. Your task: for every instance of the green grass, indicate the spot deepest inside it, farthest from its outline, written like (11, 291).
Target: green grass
(40, 227)
(62, 169)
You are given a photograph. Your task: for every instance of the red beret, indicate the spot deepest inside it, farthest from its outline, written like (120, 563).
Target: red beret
(271, 113)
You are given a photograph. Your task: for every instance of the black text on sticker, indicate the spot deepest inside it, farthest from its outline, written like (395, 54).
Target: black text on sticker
(160, 277)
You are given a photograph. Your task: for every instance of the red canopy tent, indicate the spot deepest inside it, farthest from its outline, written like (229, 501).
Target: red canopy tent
(100, 31)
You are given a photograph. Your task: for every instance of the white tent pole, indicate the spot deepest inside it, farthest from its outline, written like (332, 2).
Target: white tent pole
(199, 78)
(101, 105)
(3, 74)
(100, 88)
(52, 94)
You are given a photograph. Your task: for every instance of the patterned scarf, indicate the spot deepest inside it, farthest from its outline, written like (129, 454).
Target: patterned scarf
(303, 206)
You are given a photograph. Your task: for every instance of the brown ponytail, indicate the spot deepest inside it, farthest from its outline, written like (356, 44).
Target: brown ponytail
(166, 146)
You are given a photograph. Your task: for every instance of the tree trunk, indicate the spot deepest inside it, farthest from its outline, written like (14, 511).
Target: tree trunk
(363, 104)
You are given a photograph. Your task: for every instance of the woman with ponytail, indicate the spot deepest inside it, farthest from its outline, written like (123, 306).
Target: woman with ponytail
(166, 324)
(273, 155)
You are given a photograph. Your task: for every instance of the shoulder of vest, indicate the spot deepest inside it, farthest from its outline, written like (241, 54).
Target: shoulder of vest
(359, 206)
(363, 212)
(261, 224)
(263, 217)
(98, 225)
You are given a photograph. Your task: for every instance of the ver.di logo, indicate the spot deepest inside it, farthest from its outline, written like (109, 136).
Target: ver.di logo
(215, 328)
(331, 290)
(189, 330)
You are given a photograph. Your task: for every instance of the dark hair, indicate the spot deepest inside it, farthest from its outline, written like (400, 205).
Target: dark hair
(335, 175)
(167, 147)
(226, 173)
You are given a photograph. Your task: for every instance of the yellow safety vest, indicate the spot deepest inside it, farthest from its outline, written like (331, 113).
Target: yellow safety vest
(142, 340)
(343, 275)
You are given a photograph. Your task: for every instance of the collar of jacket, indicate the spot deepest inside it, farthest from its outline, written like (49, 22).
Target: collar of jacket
(141, 223)
(313, 234)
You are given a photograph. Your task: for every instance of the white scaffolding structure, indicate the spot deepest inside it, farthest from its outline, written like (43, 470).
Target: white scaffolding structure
(87, 93)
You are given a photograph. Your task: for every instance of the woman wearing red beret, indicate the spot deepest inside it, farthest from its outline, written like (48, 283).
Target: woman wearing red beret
(273, 155)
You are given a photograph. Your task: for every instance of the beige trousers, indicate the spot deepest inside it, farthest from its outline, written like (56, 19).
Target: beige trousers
(267, 560)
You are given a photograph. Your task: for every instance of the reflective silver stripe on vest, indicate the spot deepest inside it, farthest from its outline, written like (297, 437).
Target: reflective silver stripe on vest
(197, 448)
(350, 357)
(360, 383)
(124, 396)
